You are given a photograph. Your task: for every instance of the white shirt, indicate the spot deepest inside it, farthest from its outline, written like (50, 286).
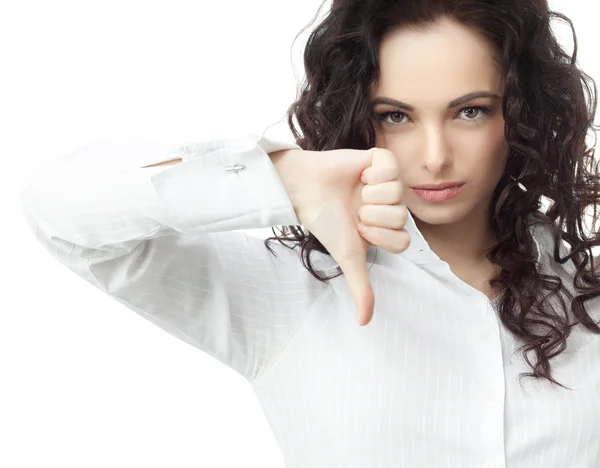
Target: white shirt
(431, 381)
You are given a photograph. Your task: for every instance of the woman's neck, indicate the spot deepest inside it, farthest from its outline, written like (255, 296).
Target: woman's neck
(463, 244)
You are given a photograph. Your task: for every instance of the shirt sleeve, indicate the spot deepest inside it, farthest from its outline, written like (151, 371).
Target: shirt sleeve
(165, 242)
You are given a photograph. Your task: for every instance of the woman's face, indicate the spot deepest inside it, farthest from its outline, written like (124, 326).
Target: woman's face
(427, 70)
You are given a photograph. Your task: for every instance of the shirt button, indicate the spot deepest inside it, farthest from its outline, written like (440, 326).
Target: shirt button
(486, 332)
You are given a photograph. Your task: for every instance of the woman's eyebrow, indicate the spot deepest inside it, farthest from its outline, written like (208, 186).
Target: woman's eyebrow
(455, 102)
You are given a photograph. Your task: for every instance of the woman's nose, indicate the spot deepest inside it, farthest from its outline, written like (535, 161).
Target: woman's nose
(436, 152)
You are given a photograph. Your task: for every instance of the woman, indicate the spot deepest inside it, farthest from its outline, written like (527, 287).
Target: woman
(433, 380)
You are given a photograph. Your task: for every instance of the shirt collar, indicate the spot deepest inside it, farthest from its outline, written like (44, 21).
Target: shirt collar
(419, 252)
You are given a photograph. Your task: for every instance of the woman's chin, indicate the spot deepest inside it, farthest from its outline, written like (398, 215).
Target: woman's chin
(432, 213)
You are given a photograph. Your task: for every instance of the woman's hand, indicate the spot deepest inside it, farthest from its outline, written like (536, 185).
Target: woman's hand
(333, 192)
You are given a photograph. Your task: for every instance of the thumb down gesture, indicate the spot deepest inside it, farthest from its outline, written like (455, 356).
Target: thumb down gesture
(349, 200)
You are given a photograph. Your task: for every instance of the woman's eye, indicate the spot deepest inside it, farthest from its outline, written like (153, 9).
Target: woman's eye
(396, 113)
(472, 109)
(476, 113)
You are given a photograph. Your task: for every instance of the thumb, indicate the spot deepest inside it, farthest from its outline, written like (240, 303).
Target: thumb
(354, 265)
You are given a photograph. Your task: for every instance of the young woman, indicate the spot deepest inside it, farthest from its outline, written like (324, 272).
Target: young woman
(452, 282)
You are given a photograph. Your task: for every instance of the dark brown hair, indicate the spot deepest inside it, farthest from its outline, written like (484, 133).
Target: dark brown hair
(547, 119)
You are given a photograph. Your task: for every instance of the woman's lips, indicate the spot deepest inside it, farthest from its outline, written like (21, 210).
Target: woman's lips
(438, 195)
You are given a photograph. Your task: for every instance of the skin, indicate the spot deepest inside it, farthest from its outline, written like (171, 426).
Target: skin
(165, 163)
(427, 69)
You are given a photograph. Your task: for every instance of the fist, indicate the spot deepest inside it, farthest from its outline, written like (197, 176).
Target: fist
(349, 199)
(382, 215)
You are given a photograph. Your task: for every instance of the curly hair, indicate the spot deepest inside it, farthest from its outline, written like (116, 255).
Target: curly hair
(547, 118)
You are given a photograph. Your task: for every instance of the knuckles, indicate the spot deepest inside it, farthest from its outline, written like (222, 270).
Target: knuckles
(403, 215)
(401, 245)
(386, 192)
(386, 160)
(399, 191)
(395, 216)
(394, 242)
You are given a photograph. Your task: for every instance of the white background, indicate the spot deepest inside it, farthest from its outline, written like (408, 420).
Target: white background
(86, 382)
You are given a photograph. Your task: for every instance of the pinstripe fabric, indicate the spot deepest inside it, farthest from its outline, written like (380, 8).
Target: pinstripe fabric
(430, 382)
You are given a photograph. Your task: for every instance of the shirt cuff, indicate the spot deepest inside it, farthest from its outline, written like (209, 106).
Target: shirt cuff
(225, 184)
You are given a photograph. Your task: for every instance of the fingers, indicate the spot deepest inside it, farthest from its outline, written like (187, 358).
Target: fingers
(379, 174)
(383, 168)
(352, 258)
(388, 193)
(392, 240)
(385, 216)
